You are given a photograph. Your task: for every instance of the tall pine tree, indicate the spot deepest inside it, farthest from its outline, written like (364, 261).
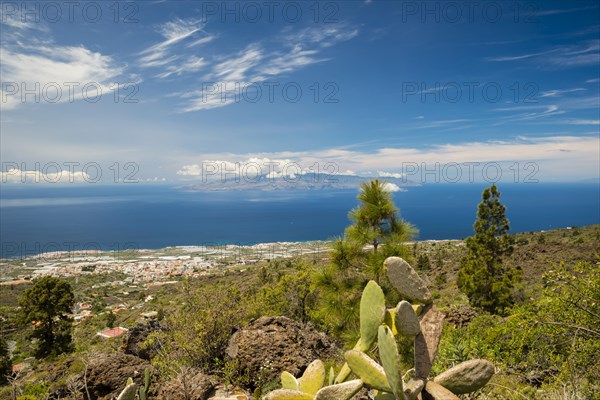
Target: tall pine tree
(483, 276)
(47, 306)
(376, 222)
(5, 362)
(376, 232)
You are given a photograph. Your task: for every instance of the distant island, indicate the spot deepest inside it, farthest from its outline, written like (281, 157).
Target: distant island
(297, 182)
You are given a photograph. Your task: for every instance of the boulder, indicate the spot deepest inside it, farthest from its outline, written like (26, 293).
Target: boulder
(466, 377)
(222, 392)
(461, 316)
(426, 342)
(134, 339)
(107, 374)
(406, 280)
(189, 384)
(270, 345)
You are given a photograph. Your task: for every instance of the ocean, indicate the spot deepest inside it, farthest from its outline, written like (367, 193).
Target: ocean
(39, 219)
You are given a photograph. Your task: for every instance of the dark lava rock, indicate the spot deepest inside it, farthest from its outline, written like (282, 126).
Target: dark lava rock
(107, 374)
(132, 343)
(461, 316)
(189, 384)
(271, 345)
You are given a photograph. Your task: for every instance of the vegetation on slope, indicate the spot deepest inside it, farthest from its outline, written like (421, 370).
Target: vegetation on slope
(543, 345)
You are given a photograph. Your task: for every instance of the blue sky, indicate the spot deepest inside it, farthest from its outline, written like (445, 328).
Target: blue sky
(398, 83)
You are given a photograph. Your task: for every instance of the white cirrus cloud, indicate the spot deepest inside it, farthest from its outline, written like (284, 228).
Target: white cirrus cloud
(202, 40)
(560, 92)
(291, 61)
(323, 36)
(191, 64)
(236, 68)
(173, 32)
(565, 56)
(168, 53)
(254, 64)
(583, 122)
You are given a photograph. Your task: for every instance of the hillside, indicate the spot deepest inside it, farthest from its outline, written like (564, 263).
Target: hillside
(534, 253)
(234, 295)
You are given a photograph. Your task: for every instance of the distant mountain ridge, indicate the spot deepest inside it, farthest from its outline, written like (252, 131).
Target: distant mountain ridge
(298, 182)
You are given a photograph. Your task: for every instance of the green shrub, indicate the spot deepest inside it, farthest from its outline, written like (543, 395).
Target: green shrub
(35, 390)
(555, 337)
(441, 279)
(5, 361)
(293, 295)
(423, 263)
(198, 332)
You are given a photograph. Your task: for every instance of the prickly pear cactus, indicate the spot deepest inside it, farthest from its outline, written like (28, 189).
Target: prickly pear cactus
(313, 378)
(129, 392)
(420, 321)
(341, 391)
(372, 314)
(390, 359)
(310, 386)
(368, 370)
(143, 391)
(424, 323)
(288, 381)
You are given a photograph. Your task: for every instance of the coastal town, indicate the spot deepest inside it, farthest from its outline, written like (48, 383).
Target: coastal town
(126, 282)
(153, 266)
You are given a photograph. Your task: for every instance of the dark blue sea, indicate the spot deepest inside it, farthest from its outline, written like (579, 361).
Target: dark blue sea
(34, 219)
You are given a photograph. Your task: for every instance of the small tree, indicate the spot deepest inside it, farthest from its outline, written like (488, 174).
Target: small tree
(483, 276)
(376, 220)
(376, 232)
(423, 263)
(293, 296)
(47, 305)
(5, 362)
(111, 318)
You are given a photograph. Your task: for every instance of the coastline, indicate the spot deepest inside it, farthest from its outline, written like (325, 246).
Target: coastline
(152, 265)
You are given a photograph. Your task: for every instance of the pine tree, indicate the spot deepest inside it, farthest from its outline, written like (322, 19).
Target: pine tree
(111, 318)
(376, 219)
(5, 362)
(376, 222)
(47, 305)
(376, 232)
(484, 277)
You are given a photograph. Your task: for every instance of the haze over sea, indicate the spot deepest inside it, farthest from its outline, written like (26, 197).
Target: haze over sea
(154, 216)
